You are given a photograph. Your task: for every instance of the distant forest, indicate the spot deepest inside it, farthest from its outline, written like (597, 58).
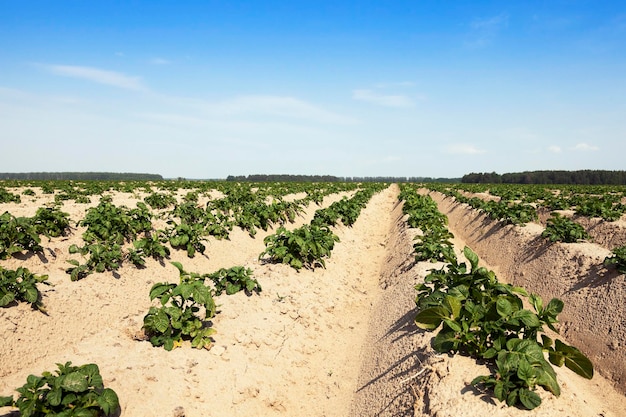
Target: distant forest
(80, 176)
(583, 177)
(331, 178)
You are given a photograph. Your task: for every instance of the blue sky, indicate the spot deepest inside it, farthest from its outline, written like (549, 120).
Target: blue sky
(206, 89)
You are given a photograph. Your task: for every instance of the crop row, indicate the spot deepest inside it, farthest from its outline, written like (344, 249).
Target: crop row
(606, 202)
(480, 317)
(559, 228)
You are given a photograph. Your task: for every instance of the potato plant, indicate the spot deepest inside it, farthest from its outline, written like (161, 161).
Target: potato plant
(51, 222)
(183, 314)
(73, 391)
(306, 246)
(8, 197)
(21, 285)
(485, 319)
(17, 234)
(617, 259)
(151, 246)
(233, 280)
(562, 229)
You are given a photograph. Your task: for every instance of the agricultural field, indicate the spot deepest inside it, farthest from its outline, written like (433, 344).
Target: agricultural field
(293, 299)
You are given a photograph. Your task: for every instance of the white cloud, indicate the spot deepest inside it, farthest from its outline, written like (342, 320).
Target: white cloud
(485, 30)
(288, 107)
(396, 84)
(491, 23)
(555, 149)
(585, 147)
(369, 96)
(462, 148)
(160, 61)
(99, 76)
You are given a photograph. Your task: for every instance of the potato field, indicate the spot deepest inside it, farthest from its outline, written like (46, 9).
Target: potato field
(198, 298)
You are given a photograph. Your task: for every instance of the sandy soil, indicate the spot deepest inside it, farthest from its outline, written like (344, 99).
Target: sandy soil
(338, 341)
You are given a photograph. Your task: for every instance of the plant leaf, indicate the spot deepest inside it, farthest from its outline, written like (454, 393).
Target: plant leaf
(75, 382)
(430, 318)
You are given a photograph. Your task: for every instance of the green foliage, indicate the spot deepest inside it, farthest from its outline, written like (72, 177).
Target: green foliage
(618, 259)
(17, 234)
(562, 229)
(100, 257)
(233, 280)
(434, 242)
(186, 236)
(150, 246)
(21, 285)
(180, 314)
(109, 223)
(51, 222)
(607, 207)
(510, 213)
(8, 197)
(434, 245)
(73, 391)
(306, 246)
(160, 201)
(484, 318)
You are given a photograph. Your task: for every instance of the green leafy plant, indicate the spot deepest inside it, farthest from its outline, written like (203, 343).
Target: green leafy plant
(607, 207)
(434, 246)
(149, 246)
(186, 236)
(180, 314)
(562, 229)
(484, 318)
(306, 246)
(160, 201)
(21, 285)
(51, 222)
(618, 259)
(100, 257)
(233, 280)
(109, 223)
(8, 197)
(73, 391)
(17, 234)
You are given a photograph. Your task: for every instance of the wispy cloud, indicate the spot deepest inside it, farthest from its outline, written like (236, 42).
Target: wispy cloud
(264, 109)
(463, 148)
(585, 147)
(97, 75)
(396, 84)
(391, 100)
(282, 106)
(484, 30)
(160, 61)
(555, 149)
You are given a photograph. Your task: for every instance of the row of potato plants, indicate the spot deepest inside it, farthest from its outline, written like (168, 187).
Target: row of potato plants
(559, 228)
(483, 318)
(188, 225)
(186, 308)
(603, 201)
(116, 234)
(309, 245)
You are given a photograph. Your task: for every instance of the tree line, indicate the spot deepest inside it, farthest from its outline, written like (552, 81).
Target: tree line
(332, 178)
(80, 176)
(581, 177)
